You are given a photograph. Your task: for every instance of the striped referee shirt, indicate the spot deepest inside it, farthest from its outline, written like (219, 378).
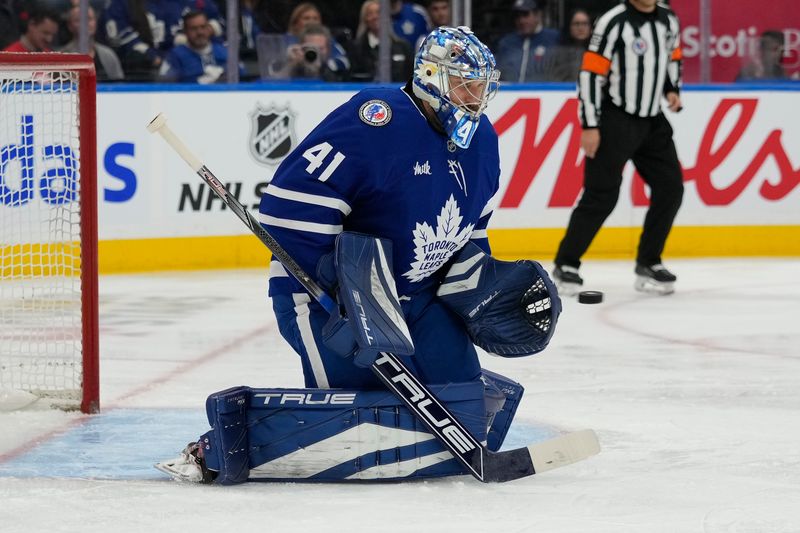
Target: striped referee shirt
(633, 59)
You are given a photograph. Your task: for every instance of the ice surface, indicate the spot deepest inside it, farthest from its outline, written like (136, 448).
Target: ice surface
(695, 398)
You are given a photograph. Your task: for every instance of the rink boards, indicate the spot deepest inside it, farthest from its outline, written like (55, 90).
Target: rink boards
(737, 145)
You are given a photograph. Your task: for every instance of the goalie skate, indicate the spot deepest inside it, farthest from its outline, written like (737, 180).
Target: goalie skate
(188, 466)
(654, 279)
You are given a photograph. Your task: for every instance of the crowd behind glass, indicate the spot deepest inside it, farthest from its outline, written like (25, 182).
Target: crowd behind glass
(330, 40)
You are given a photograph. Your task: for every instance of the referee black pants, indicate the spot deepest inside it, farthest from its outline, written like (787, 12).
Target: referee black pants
(648, 142)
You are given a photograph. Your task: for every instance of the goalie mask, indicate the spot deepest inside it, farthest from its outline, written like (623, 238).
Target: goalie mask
(455, 73)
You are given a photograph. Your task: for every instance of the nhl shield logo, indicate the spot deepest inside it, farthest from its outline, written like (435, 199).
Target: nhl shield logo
(272, 134)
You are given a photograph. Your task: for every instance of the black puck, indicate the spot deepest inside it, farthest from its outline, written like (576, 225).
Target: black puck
(590, 297)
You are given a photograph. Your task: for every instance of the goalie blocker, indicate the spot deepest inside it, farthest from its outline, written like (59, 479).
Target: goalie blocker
(338, 434)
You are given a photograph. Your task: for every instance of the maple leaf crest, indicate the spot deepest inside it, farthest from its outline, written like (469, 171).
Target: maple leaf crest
(433, 248)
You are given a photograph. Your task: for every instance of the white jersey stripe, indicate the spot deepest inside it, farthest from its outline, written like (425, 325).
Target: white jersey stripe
(655, 105)
(648, 75)
(630, 62)
(311, 227)
(314, 199)
(301, 302)
(277, 270)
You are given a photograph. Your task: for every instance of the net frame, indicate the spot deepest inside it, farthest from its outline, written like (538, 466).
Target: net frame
(83, 66)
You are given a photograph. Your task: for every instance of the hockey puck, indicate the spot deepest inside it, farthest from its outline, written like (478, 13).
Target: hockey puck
(590, 297)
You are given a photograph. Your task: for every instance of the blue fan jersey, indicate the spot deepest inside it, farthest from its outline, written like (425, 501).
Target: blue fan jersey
(164, 18)
(186, 65)
(412, 24)
(375, 165)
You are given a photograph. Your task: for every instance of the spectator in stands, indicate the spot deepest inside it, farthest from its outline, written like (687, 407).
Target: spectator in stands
(249, 30)
(143, 31)
(200, 60)
(106, 62)
(271, 15)
(41, 29)
(364, 49)
(9, 23)
(521, 54)
(767, 64)
(439, 13)
(311, 59)
(410, 22)
(303, 14)
(307, 14)
(564, 61)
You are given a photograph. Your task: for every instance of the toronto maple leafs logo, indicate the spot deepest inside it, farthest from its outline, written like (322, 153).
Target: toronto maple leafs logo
(434, 247)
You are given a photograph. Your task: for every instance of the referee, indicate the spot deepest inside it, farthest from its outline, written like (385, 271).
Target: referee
(632, 61)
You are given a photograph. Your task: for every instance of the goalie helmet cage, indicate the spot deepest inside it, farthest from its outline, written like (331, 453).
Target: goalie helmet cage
(49, 335)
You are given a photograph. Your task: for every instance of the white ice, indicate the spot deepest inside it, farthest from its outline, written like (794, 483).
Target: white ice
(695, 398)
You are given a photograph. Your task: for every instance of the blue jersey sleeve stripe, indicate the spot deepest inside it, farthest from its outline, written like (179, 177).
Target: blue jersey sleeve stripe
(311, 227)
(479, 234)
(313, 199)
(291, 210)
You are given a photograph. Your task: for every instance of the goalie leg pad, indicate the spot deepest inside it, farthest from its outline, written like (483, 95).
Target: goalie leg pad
(509, 308)
(225, 447)
(502, 399)
(332, 434)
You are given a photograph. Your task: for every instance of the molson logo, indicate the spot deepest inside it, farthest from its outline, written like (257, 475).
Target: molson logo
(712, 152)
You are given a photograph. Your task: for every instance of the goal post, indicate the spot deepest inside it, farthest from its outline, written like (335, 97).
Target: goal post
(49, 335)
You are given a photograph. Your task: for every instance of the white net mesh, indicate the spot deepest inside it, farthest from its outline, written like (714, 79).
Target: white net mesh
(40, 254)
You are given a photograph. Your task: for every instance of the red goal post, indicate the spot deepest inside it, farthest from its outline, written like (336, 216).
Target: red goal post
(49, 338)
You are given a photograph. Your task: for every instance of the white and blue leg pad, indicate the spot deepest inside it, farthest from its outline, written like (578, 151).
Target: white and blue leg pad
(332, 434)
(502, 396)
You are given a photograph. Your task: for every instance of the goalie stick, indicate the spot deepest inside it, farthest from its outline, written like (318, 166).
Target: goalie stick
(483, 464)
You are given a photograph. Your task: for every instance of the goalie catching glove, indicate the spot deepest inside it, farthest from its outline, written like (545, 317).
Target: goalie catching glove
(510, 308)
(369, 319)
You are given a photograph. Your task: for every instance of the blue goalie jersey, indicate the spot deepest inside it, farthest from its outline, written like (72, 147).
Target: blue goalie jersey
(375, 165)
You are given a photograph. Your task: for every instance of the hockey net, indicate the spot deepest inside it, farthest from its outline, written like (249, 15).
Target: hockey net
(48, 230)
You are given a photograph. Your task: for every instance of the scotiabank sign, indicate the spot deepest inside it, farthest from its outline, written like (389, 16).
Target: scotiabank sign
(735, 29)
(738, 151)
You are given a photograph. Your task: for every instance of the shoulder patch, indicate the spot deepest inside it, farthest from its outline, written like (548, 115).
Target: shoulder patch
(375, 113)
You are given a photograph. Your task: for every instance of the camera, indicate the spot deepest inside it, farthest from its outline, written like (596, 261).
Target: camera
(310, 53)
